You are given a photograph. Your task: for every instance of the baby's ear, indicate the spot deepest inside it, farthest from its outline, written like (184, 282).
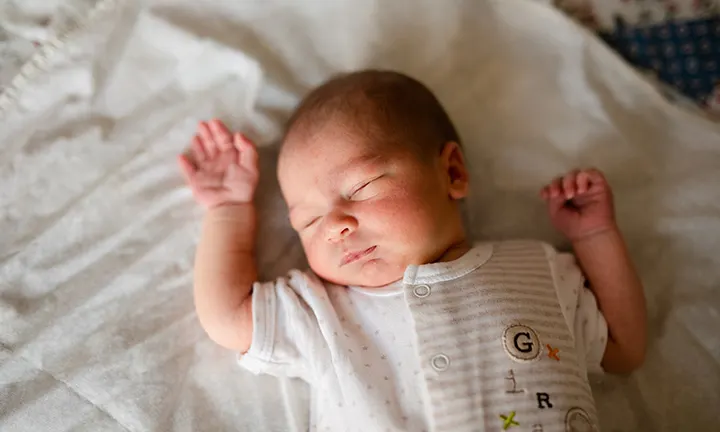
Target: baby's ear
(455, 171)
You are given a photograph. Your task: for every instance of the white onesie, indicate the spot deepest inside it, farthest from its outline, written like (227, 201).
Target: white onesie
(499, 339)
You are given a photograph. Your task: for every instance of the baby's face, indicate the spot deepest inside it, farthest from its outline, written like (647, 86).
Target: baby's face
(365, 211)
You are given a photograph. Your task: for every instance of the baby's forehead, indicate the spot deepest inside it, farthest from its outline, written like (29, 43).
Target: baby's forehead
(331, 160)
(334, 143)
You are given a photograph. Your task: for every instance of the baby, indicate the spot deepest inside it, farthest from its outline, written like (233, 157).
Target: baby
(402, 324)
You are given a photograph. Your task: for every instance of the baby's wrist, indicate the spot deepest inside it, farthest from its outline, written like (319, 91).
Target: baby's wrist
(600, 235)
(234, 223)
(233, 212)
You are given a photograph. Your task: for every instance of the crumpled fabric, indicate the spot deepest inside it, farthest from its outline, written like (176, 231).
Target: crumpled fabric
(97, 327)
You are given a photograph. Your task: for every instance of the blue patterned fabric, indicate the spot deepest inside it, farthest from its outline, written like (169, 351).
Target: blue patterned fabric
(684, 54)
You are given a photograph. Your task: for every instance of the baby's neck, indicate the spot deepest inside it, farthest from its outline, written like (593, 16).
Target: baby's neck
(455, 251)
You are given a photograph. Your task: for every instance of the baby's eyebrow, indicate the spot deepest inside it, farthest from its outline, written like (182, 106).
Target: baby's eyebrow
(292, 208)
(295, 208)
(357, 163)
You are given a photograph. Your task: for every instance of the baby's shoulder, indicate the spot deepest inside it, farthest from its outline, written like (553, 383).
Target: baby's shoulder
(524, 246)
(305, 283)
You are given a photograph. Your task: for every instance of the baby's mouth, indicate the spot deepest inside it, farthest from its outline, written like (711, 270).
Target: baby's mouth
(351, 257)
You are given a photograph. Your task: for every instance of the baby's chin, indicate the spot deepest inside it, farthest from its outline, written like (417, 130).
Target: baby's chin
(370, 274)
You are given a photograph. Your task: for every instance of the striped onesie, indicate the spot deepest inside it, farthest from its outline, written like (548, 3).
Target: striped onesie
(499, 339)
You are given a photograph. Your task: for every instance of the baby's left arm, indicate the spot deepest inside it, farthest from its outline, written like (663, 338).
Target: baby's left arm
(581, 207)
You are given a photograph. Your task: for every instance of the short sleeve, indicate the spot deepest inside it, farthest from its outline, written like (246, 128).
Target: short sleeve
(285, 327)
(580, 309)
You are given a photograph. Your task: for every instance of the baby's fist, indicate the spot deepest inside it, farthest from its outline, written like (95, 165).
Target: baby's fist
(580, 204)
(224, 166)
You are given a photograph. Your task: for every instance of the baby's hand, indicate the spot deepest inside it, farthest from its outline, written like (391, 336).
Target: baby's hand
(224, 167)
(580, 204)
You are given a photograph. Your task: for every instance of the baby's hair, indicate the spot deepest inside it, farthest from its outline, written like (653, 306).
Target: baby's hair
(386, 107)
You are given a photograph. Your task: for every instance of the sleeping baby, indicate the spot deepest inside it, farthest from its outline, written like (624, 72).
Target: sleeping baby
(401, 323)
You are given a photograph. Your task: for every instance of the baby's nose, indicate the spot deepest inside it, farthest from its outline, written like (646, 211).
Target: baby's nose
(340, 227)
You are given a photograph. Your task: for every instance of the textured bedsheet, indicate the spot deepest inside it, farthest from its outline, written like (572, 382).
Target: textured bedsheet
(97, 329)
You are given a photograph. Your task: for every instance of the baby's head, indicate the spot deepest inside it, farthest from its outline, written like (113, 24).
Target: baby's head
(372, 171)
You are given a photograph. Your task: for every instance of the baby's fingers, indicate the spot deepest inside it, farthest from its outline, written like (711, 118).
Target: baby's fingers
(207, 140)
(569, 185)
(248, 153)
(582, 182)
(546, 192)
(221, 134)
(595, 175)
(197, 150)
(597, 181)
(187, 169)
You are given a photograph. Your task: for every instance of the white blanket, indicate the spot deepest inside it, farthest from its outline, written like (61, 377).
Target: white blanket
(97, 232)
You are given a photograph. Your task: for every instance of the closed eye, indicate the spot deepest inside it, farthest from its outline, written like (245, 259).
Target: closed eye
(364, 191)
(311, 222)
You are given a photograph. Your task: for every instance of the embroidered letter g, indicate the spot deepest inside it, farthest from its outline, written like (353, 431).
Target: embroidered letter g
(527, 345)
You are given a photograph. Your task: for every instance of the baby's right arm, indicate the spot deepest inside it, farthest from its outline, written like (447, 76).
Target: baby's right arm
(223, 175)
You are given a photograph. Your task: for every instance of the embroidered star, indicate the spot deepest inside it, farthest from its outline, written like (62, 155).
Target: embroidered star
(553, 352)
(509, 420)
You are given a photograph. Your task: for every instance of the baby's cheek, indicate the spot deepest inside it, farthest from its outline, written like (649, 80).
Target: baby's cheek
(315, 254)
(405, 217)
(325, 269)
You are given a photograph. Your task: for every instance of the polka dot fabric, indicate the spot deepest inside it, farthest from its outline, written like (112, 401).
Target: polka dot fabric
(676, 41)
(683, 54)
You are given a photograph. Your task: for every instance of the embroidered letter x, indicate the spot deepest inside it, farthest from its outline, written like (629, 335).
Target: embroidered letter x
(553, 352)
(508, 421)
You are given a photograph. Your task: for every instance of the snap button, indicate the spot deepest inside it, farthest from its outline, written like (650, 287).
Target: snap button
(577, 420)
(421, 291)
(440, 362)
